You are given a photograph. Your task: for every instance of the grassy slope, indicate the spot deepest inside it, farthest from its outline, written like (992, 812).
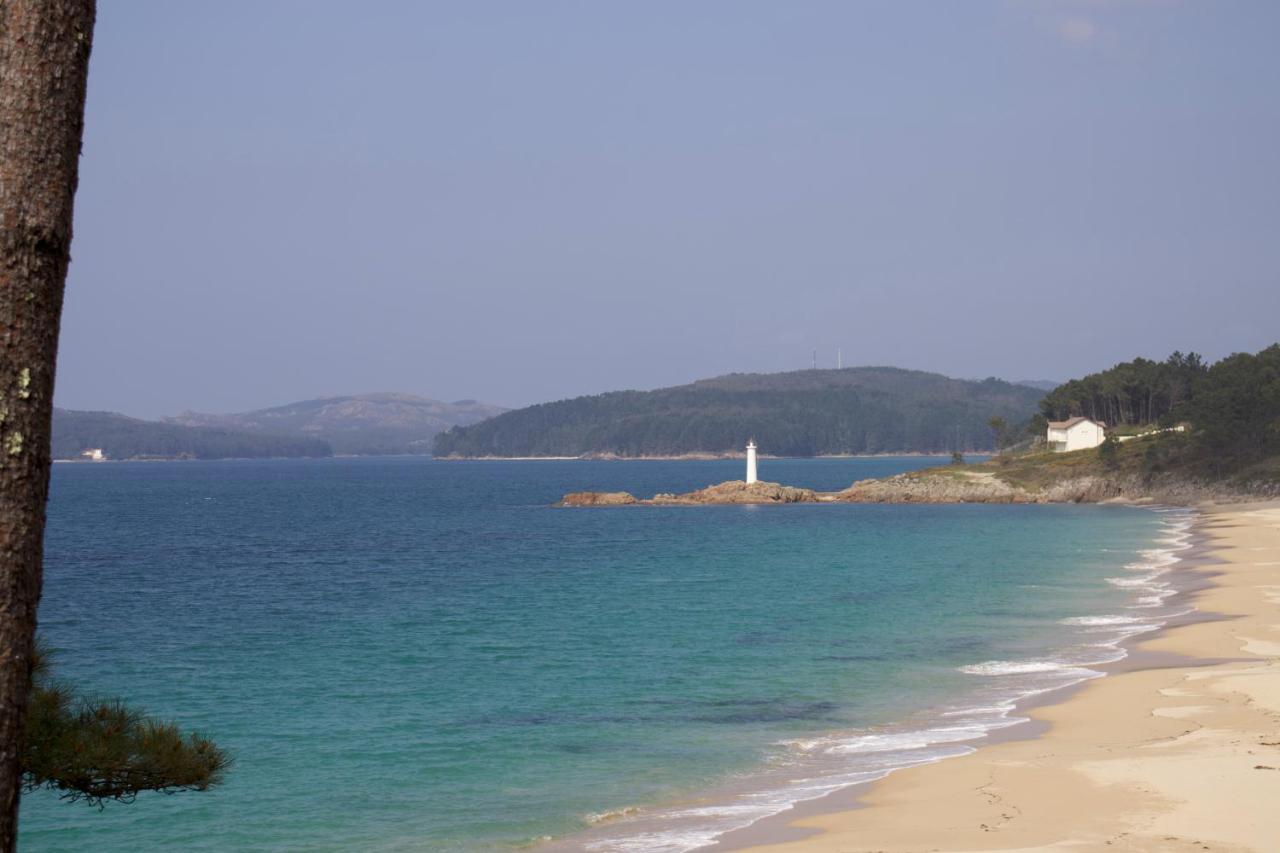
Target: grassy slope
(1148, 459)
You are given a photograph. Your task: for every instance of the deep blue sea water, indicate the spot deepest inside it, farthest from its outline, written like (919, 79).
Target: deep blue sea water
(407, 654)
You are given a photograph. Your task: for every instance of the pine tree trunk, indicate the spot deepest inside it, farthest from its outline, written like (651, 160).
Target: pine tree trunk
(44, 60)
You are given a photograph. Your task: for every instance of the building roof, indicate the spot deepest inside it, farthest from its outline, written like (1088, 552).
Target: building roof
(1070, 422)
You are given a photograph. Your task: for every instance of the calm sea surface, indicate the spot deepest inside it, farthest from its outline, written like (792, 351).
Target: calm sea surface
(405, 654)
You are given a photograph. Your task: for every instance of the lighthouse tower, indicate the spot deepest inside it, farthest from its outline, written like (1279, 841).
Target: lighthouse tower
(751, 461)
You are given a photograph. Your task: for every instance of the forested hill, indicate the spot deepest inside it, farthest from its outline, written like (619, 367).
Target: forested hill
(1135, 392)
(1232, 409)
(803, 413)
(122, 437)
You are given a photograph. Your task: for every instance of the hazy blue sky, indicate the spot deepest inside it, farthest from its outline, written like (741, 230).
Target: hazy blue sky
(531, 200)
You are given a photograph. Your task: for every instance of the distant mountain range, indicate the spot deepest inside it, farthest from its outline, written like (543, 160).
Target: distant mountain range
(802, 413)
(122, 437)
(360, 424)
(372, 424)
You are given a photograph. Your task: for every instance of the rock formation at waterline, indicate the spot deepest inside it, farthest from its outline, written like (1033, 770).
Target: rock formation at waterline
(730, 492)
(946, 485)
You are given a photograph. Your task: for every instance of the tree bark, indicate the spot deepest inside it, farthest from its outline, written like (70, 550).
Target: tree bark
(44, 62)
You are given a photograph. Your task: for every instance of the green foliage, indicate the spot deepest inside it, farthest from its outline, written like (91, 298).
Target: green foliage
(957, 458)
(1232, 409)
(999, 430)
(1170, 452)
(804, 413)
(1135, 392)
(1107, 452)
(122, 437)
(1235, 410)
(99, 751)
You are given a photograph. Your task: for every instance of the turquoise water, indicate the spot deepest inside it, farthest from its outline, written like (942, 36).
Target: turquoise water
(406, 654)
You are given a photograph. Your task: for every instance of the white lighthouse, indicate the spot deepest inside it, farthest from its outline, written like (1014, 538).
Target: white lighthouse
(751, 461)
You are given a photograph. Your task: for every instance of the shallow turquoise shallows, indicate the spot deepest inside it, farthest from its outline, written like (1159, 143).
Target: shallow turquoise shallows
(406, 654)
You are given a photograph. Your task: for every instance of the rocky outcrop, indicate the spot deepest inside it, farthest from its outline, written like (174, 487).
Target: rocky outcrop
(950, 488)
(1167, 489)
(731, 492)
(741, 492)
(947, 485)
(598, 499)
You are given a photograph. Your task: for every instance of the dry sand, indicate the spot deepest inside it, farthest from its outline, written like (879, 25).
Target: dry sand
(1175, 758)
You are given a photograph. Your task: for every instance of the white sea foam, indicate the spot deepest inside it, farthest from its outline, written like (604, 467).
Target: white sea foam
(895, 741)
(1111, 638)
(1096, 621)
(612, 814)
(1013, 667)
(1000, 710)
(1129, 583)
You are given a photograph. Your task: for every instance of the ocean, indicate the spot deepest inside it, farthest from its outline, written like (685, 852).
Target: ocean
(409, 654)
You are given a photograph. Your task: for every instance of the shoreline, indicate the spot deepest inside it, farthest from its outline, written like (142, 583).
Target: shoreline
(1172, 567)
(1188, 578)
(1178, 746)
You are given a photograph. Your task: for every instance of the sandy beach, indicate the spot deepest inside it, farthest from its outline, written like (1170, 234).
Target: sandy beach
(1181, 755)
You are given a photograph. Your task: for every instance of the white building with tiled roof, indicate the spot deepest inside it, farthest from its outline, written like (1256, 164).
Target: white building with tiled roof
(1075, 434)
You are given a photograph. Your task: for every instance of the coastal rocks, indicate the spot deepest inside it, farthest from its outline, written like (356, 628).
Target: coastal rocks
(741, 492)
(598, 499)
(1168, 489)
(1090, 490)
(731, 492)
(951, 487)
(946, 485)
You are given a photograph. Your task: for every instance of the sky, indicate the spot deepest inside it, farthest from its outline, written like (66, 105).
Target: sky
(519, 202)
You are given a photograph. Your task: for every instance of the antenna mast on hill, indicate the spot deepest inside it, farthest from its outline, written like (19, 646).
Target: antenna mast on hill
(815, 359)
(839, 358)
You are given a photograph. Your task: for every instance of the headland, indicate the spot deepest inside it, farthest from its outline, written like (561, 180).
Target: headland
(1039, 476)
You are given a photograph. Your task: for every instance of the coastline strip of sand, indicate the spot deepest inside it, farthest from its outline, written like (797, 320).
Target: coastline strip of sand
(1165, 758)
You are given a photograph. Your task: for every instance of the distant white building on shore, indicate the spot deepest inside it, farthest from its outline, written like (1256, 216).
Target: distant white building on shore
(1075, 434)
(751, 461)
(93, 454)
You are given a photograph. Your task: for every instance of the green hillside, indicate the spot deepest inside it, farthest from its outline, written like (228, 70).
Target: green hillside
(122, 437)
(803, 413)
(1231, 410)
